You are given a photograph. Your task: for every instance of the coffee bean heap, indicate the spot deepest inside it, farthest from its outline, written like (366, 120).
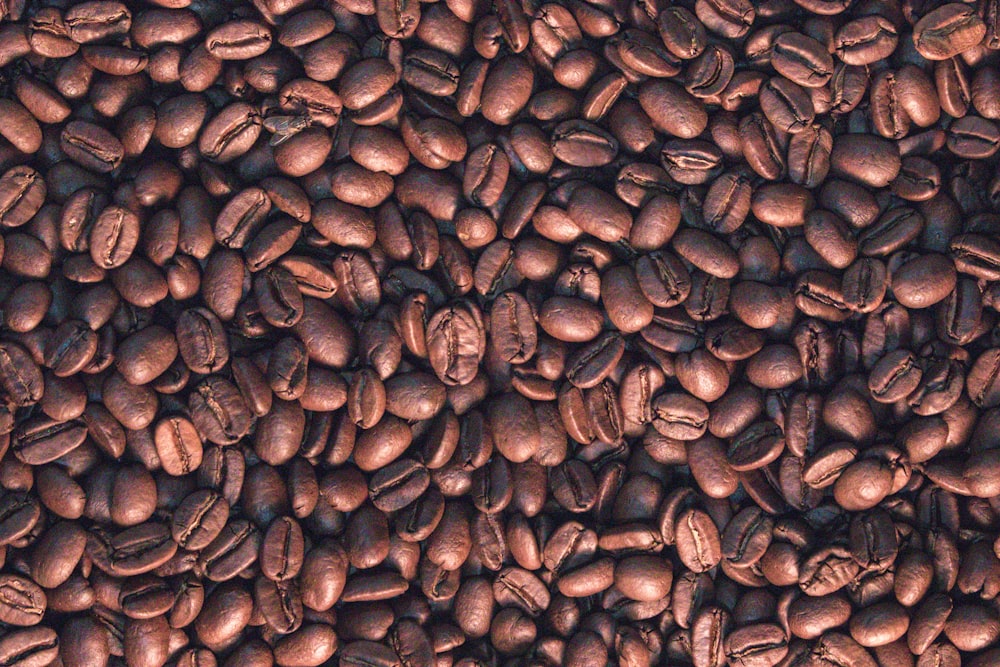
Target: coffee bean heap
(487, 333)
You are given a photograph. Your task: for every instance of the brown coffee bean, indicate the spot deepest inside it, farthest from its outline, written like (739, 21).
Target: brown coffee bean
(878, 170)
(643, 578)
(866, 40)
(22, 601)
(199, 519)
(947, 31)
(698, 542)
(30, 646)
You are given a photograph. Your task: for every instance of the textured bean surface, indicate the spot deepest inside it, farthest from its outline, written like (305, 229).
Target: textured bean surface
(499, 333)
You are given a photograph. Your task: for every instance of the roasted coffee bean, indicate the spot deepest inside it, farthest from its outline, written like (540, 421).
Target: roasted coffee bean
(687, 119)
(42, 440)
(810, 617)
(456, 342)
(520, 588)
(680, 416)
(133, 551)
(20, 376)
(727, 202)
(947, 31)
(233, 550)
(786, 105)
(282, 550)
(690, 161)
(113, 237)
(219, 411)
(710, 73)
(398, 485)
(242, 216)
(178, 445)
(756, 447)
(599, 214)
(279, 297)
(287, 369)
(644, 578)
(202, 341)
(569, 319)
(91, 146)
(682, 33)
(199, 519)
(22, 193)
(762, 643)
(981, 380)
(663, 279)
(801, 59)
(866, 40)
(699, 545)
(582, 144)
(22, 601)
(506, 90)
(809, 156)
(717, 280)
(512, 327)
(782, 204)
(35, 646)
(146, 354)
(238, 40)
(894, 376)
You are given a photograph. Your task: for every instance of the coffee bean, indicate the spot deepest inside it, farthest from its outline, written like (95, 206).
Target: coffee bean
(599, 214)
(711, 72)
(801, 59)
(786, 105)
(133, 551)
(456, 342)
(92, 146)
(43, 440)
(643, 578)
(947, 31)
(866, 40)
(23, 130)
(22, 601)
(595, 361)
(682, 33)
(30, 646)
(520, 588)
(22, 193)
(282, 550)
(811, 617)
(688, 118)
(512, 327)
(146, 354)
(714, 279)
(582, 144)
(698, 542)
(233, 550)
(982, 378)
(202, 341)
(882, 165)
(762, 643)
(113, 237)
(238, 40)
(506, 90)
(399, 484)
(199, 519)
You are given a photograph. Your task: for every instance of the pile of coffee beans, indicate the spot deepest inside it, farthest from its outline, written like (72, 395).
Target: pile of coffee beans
(482, 333)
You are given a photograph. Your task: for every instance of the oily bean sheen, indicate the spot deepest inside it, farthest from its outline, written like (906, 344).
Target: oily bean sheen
(386, 333)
